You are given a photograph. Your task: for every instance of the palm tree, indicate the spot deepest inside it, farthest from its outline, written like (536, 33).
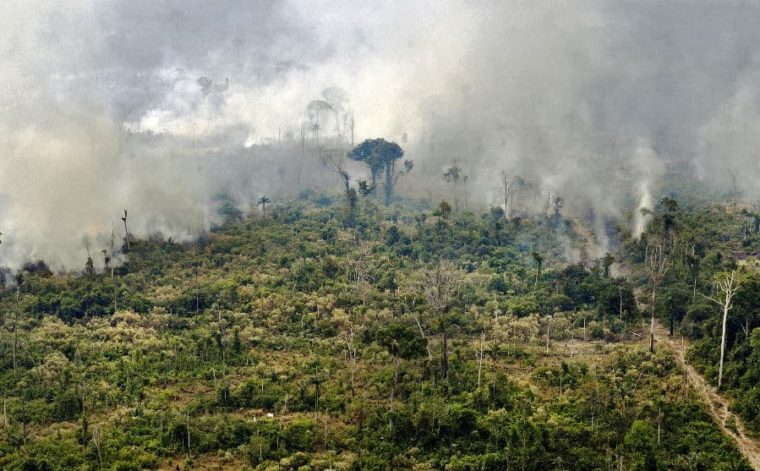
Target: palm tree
(263, 201)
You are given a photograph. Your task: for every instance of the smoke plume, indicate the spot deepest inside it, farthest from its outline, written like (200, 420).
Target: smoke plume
(157, 107)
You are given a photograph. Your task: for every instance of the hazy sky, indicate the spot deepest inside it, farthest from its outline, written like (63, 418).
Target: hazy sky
(585, 98)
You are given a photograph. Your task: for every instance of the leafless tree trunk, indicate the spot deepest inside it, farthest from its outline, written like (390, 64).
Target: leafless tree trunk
(15, 327)
(584, 327)
(442, 285)
(126, 231)
(507, 183)
(656, 266)
(659, 426)
(337, 161)
(187, 429)
(303, 157)
(352, 125)
(728, 284)
(620, 297)
(480, 356)
(422, 332)
(348, 339)
(96, 440)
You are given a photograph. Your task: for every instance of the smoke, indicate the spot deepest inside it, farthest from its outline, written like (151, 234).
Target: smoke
(157, 107)
(648, 170)
(643, 215)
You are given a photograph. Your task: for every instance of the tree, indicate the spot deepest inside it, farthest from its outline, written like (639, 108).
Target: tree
(539, 264)
(337, 161)
(315, 109)
(348, 338)
(380, 155)
(670, 207)
(553, 208)
(89, 266)
(106, 259)
(728, 284)
(331, 103)
(352, 201)
(441, 285)
(263, 202)
(364, 188)
(454, 174)
(746, 305)
(126, 231)
(443, 210)
(656, 266)
(676, 303)
(408, 167)
(607, 262)
(507, 183)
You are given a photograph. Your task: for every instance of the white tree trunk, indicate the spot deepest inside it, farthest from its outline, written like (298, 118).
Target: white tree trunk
(723, 344)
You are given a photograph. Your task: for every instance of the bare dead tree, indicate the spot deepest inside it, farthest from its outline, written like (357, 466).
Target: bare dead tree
(97, 440)
(19, 282)
(656, 266)
(113, 281)
(507, 183)
(728, 284)
(480, 355)
(442, 284)
(734, 182)
(126, 231)
(351, 126)
(348, 338)
(336, 160)
(187, 429)
(303, 155)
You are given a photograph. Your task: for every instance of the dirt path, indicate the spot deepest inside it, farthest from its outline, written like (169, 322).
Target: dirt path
(717, 404)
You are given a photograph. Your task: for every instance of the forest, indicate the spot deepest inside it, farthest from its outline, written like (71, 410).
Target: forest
(366, 330)
(385, 235)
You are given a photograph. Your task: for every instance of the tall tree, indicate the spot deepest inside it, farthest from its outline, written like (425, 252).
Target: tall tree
(606, 263)
(380, 155)
(126, 231)
(728, 284)
(441, 285)
(337, 161)
(315, 110)
(656, 266)
(263, 202)
(539, 265)
(507, 182)
(454, 175)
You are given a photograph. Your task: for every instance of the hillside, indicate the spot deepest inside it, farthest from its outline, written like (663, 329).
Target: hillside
(319, 337)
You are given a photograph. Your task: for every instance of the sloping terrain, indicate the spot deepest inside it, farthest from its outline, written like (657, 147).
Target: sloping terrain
(717, 404)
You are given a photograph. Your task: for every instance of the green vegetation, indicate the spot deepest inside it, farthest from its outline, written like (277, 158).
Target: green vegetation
(704, 246)
(344, 335)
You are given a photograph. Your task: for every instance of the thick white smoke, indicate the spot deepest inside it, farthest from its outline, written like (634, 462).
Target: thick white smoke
(158, 106)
